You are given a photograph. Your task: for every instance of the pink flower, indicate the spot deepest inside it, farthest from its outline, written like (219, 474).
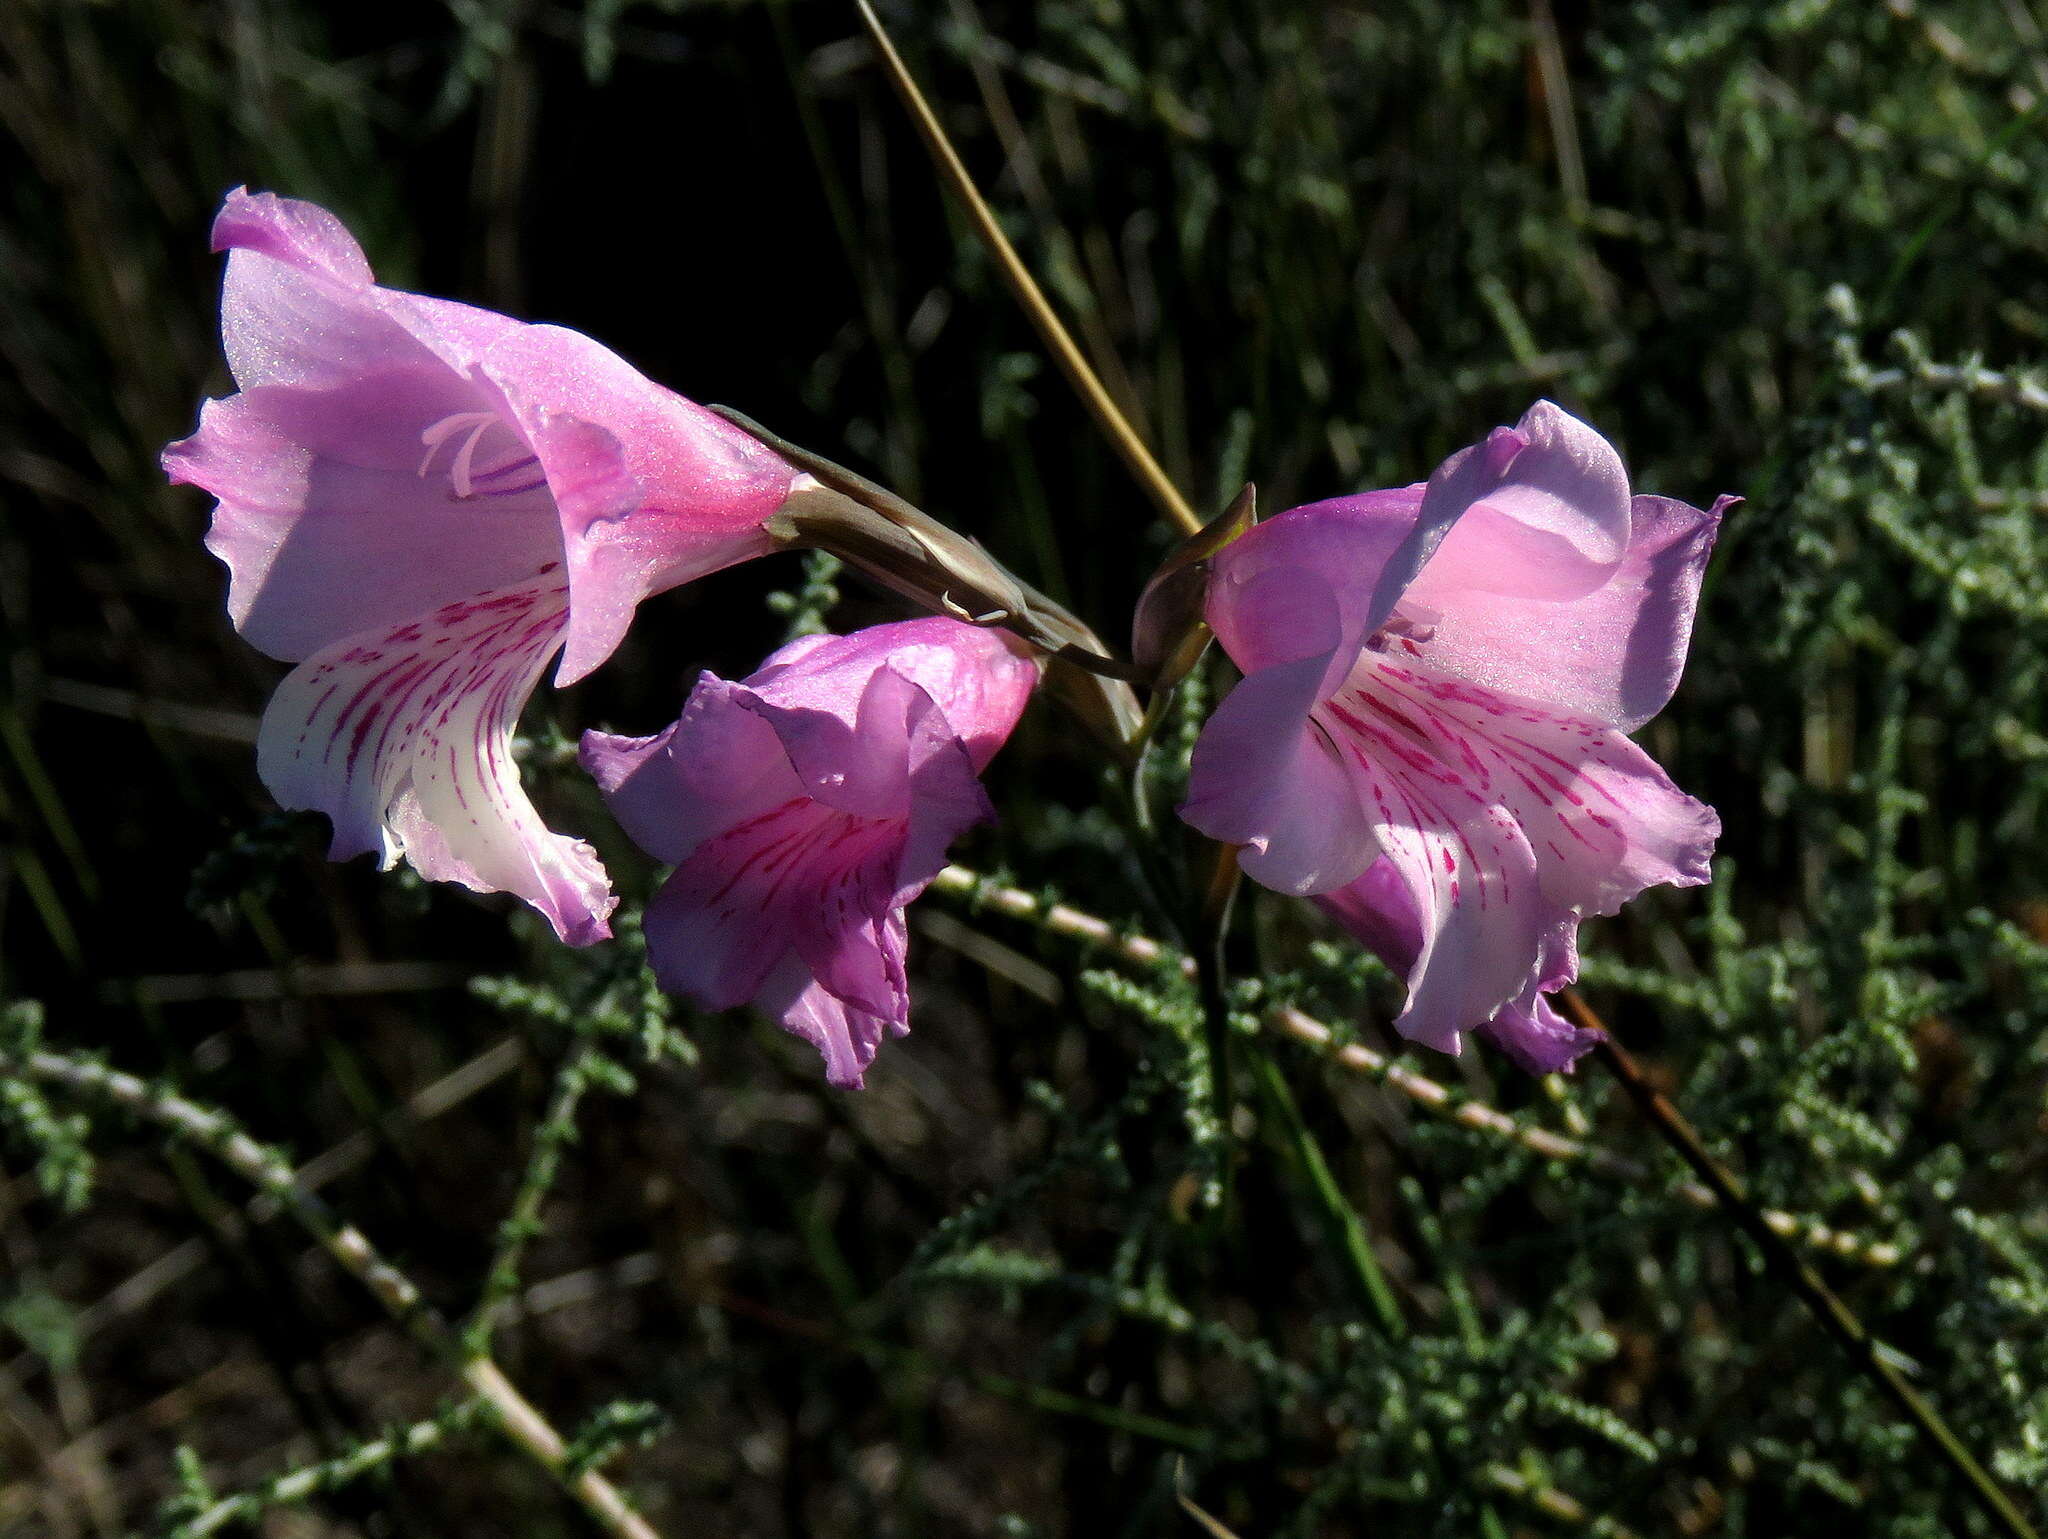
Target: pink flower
(803, 808)
(1430, 734)
(419, 503)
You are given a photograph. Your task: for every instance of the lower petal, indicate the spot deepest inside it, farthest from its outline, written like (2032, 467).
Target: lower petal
(1479, 921)
(852, 938)
(724, 919)
(800, 877)
(1537, 1038)
(1605, 822)
(403, 737)
(846, 1037)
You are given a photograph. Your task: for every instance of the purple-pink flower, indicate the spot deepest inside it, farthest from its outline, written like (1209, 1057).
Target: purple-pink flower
(420, 503)
(803, 808)
(1430, 734)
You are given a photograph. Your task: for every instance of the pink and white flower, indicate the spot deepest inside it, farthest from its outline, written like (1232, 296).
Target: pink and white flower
(1430, 736)
(803, 808)
(420, 503)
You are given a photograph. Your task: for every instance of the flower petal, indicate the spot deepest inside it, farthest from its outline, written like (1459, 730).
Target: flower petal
(718, 765)
(1378, 911)
(1540, 510)
(298, 306)
(328, 527)
(1380, 915)
(1604, 821)
(299, 234)
(1468, 871)
(856, 762)
(842, 934)
(1344, 546)
(1264, 776)
(402, 736)
(1537, 1038)
(652, 489)
(1613, 655)
(799, 877)
(846, 1037)
(727, 916)
(979, 677)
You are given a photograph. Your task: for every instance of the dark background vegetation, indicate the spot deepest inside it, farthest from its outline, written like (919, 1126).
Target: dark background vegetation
(1792, 250)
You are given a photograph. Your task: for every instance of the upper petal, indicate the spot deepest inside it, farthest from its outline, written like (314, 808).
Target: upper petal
(652, 489)
(327, 525)
(403, 738)
(300, 234)
(980, 678)
(1343, 547)
(852, 756)
(1613, 655)
(1539, 510)
(298, 306)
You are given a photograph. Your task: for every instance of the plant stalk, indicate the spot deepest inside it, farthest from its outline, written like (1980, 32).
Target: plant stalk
(1058, 340)
(1347, 1229)
(1864, 1349)
(516, 1417)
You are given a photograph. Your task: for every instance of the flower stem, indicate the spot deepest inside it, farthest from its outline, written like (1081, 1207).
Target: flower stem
(557, 1128)
(1058, 340)
(1864, 1349)
(1212, 921)
(1347, 1229)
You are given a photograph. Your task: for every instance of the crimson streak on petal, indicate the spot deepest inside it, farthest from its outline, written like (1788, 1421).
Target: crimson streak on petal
(403, 737)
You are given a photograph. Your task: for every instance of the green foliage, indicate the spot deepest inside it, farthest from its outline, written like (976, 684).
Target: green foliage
(1793, 250)
(55, 1140)
(197, 1510)
(806, 607)
(613, 1427)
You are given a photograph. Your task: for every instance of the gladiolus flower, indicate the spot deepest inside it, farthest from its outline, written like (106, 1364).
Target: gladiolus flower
(803, 808)
(419, 504)
(1430, 734)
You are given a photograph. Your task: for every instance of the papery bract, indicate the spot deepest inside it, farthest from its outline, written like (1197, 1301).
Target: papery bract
(1430, 737)
(803, 808)
(420, 503)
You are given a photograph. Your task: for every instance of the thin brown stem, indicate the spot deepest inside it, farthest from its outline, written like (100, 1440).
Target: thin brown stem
(1865, 1350)
(1065, 351)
